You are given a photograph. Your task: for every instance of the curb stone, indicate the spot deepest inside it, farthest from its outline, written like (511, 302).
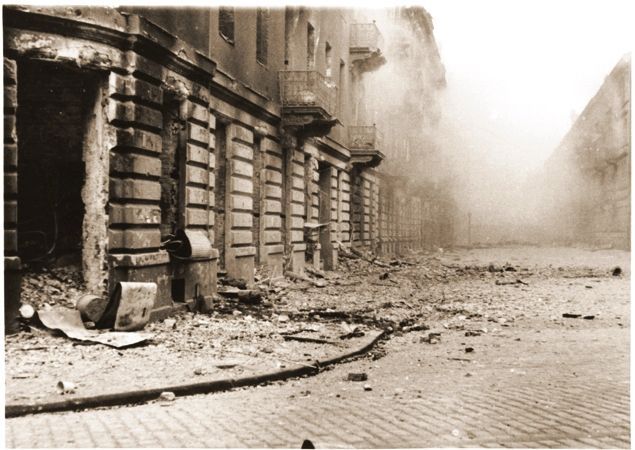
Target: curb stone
(180, 390)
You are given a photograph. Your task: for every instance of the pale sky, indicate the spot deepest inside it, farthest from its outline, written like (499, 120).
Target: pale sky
(517, 69)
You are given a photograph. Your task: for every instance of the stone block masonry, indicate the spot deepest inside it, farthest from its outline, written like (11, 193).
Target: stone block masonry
(168, 143)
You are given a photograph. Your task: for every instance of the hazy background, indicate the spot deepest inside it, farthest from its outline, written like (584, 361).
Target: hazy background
(518, 72)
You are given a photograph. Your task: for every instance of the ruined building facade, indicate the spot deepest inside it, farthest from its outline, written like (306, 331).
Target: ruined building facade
(172, 145)
(589, 174)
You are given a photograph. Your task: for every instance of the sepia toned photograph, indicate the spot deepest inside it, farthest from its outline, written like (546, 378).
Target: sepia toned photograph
(317, 225)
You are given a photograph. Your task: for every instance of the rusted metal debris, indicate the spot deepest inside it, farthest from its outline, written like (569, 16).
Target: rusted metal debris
(69, 322)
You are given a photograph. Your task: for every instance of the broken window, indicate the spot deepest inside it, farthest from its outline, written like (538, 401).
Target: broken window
(328, 59)
(226, 23)
(262, 34)
(310, 47)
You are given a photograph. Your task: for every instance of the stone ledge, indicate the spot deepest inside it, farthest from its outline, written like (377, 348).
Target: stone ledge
(140, 259)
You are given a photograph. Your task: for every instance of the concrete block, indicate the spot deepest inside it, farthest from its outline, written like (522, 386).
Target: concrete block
(134, 189)
(131, 113)
(198, 175)
(272, 221)
(131, 87)
(297, 209)
(135, 214)
(241, 202)
(10, 213)
(273, 237)
(297, 223)
(134, 239)
(273, 161)
(243, 134)
(242, 168)
(272, 206)
(139, 64)
(273, 176)
(241, 151)
(198, 112)
(196, 196)
(241, 237)
(10, 70)
(10, 184)
(197, 154)
(196, 216)
(241, 185)
(10, 97)
(144, 140)
(297, 196)
(273, 191)
(198, 134)
(10, 156)
(297, 183)
(241, 220)
(212, 161)
(10, 241)
(135, 164)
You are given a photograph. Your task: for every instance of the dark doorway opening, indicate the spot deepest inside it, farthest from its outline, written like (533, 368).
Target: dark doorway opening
(59, 131)
(220, 190)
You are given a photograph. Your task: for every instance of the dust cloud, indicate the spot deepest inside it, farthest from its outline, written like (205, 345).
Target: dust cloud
(450, 135)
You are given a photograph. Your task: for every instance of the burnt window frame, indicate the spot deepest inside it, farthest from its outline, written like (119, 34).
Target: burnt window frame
(262, 35)
(229, 12)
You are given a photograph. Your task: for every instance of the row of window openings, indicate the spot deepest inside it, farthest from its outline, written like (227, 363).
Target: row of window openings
(226, 29)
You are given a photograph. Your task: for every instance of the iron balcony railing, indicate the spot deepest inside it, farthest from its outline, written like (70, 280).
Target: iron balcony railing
(302, 89)
(365, 36)
(364, 138)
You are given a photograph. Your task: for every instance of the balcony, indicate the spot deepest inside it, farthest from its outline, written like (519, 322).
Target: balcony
(365, 47)
(364, 143)
(309, 101)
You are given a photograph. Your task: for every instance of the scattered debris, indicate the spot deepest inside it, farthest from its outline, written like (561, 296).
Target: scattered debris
(69, 322)
(91, 307)
(309, 339)
(417, 327)
(26, 311)
(505, 283)
(129, 307)
(66, 387)
(361, 376)
(234, 282)
(167, 396)
(431, 338)
(307, 444)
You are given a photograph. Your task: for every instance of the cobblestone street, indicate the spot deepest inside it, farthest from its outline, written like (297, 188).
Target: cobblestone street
(531, 379)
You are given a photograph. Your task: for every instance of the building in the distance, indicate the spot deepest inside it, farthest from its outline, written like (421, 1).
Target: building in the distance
(588, 177)
(173, 145)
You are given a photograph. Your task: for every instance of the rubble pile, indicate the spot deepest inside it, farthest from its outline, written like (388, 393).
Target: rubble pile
(60, 286)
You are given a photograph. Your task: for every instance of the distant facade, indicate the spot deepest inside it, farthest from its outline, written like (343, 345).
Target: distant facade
(170, 145)
(590, 171)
